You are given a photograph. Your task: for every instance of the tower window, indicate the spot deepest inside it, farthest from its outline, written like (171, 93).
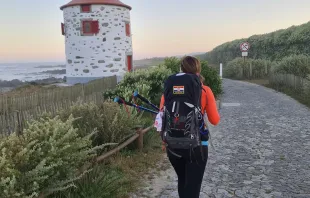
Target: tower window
(127, 29)
(62, 28)
(90, 28)
(85, 8)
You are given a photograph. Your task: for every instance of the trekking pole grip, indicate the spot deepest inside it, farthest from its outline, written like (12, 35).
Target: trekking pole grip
(136, 94)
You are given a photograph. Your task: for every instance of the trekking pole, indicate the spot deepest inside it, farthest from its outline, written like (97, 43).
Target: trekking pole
(136, 94)
(120, 100)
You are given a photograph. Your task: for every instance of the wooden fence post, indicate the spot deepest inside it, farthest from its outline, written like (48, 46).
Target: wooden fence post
(250, 70)
(19, 129)
(140, 139)
(83, 93)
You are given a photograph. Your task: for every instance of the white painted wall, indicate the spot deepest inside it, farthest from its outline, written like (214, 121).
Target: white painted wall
(100, 55)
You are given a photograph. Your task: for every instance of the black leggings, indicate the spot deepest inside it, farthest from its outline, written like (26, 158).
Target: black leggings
(190, 167)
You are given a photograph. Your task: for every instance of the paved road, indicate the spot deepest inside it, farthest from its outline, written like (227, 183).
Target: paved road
(262, 147)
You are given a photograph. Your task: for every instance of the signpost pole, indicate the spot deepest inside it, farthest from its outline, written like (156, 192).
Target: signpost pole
(250, 71)
(221, 70)
(244, 47)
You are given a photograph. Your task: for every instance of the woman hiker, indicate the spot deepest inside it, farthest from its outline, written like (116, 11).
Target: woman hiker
(184, 131)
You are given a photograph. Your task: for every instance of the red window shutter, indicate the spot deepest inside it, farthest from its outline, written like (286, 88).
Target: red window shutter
(129, 63)
(62, 29)
(90, 27)
(95, 27)
(85, 8)
(127, 29)
(86, 27)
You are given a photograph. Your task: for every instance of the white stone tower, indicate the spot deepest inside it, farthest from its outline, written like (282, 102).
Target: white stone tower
(97, 39)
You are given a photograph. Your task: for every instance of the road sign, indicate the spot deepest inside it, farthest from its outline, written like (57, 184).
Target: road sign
(244, 53)
(244, 47)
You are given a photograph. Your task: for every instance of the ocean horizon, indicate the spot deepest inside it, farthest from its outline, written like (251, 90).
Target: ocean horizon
(30, 71)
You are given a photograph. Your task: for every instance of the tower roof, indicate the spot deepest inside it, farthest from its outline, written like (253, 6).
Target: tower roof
(104, 2)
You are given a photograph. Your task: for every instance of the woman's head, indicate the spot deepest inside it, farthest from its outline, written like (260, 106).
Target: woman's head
(191, 65)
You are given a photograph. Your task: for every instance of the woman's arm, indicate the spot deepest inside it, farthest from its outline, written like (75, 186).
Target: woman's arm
(162, 102)
(211, 108)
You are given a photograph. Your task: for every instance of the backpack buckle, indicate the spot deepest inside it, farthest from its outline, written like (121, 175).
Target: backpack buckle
(176, 118)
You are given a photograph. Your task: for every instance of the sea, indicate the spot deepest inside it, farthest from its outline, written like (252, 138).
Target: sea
(30, 71)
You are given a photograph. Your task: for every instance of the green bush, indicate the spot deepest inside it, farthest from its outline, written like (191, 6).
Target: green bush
(261, 68)
(112, 123)
(149, 82)
(233, 69)
(212, 78)
(240, 68)
(103, 181)
(51, 150)
(44, 159)
(273, 46)
(173, 63)
(298, 65)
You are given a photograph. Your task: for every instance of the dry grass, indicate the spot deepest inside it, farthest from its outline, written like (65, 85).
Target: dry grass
(302, 98)
(263, 82)
(26, 89)
(135, 166)
(148, 62)
(121, 174)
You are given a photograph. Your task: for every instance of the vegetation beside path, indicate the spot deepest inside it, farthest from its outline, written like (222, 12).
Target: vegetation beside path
(291, 75)
(303, 99)
(45, 159)
(278, 60)
(273, 46)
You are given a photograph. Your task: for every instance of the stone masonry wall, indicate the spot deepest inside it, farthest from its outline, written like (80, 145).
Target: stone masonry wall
(99, 55)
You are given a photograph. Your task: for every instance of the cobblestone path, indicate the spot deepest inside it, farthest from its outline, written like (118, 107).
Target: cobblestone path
(262, 147)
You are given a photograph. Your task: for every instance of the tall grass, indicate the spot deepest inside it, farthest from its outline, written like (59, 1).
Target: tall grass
(103, 181)
(121, 174)
(246, 69)
(298, 65)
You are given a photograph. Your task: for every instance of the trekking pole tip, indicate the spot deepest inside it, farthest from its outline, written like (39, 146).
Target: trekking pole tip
(136, 93)
(116, 99)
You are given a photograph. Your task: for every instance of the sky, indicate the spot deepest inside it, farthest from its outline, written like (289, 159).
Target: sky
(30, 29)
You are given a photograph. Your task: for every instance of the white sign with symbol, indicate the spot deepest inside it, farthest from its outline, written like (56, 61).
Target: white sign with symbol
(244, 53)
(244, 47)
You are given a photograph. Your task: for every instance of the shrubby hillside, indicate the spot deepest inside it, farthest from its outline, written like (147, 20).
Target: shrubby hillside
(273, 46)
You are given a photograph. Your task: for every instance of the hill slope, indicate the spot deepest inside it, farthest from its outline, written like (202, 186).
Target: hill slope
(271, 46)
(144, 63)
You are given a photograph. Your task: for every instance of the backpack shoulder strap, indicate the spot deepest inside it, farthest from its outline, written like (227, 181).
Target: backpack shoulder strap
(203, 89)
